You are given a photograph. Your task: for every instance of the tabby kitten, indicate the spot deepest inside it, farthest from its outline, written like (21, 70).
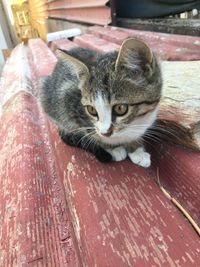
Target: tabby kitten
(106, 106)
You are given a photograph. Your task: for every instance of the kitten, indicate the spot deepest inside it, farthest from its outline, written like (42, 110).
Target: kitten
(105, 106)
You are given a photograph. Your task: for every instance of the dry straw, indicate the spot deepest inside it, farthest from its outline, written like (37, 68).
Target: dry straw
(178, 205)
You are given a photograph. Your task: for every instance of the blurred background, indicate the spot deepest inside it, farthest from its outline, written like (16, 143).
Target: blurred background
(35, 18)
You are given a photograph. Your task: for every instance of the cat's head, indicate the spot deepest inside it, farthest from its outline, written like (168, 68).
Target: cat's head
(121, 91)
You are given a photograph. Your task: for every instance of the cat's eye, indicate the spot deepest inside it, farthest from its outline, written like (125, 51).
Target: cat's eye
(120, 109)
(91, 110)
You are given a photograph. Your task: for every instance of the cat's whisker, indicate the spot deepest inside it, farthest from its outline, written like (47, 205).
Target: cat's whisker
(87, 136)
(160, 127)
(165, 133)
(140, 140)
(152, 138)
(135, 125)
(129, 125)
(83, 137)
(134, 131)
(160, 136)
(88, 142)
(168, 138)
(82, 129)
(91, 143)
(143, 140)
(168, 134)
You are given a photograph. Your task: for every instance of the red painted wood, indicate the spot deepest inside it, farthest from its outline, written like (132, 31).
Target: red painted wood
(95, 43)
(35, 228)
(179, 173)
(167, 46)
(167, 159)
(94, 15)
(120, 216)
(118, 213)
(64, 44)
(76, 4)
(39, 51)
(90, 11)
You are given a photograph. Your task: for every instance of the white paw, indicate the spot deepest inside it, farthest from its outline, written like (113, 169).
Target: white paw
(140, 157)
(118, 153)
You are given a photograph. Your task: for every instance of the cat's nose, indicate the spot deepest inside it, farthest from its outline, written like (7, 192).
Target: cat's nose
(108, 133)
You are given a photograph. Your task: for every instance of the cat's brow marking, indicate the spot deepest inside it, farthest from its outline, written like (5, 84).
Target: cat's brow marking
(145, 102)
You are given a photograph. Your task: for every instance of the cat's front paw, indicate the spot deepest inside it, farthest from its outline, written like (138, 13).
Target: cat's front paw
(118, 153)
(140, 157)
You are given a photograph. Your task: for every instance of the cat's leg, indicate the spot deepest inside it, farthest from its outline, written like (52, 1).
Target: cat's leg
(78, 140)
(139, 156)
(118, 153)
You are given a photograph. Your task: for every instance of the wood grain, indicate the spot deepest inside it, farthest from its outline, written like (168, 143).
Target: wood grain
(180, 106)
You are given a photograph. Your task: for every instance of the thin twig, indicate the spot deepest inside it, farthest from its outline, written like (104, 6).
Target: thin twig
(178, 205)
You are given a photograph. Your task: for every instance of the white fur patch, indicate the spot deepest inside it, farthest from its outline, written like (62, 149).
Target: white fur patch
(140, 157)
(133, 131)
(105, 114)
(118, 153)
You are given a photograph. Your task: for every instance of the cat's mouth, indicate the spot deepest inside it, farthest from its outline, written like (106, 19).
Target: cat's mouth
(110, 134)
(113, 139)
(121, 135)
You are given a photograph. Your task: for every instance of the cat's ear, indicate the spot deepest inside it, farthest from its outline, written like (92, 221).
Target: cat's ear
(135, 55)
(78, 67)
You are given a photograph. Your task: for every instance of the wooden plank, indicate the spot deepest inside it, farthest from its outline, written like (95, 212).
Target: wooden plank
(178, 171)
(165, 46)
(178, 168)
(119, 214)
(93, 15)
(174, 26)
(34, 224)
(180, 106)
(95, 43)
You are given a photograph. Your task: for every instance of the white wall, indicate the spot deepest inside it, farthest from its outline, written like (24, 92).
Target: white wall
(5, 38)
(3, 45)
(8, 21)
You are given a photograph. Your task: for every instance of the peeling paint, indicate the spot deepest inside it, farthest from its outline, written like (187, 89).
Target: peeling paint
(27, 176)
(110, 215)
(70, 167)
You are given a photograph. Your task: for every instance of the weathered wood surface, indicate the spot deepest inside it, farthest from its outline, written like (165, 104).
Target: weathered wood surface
(180, 106)
(177, 26)
(178, 171)
(166, 46)
(119, 215)
(35, 229)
